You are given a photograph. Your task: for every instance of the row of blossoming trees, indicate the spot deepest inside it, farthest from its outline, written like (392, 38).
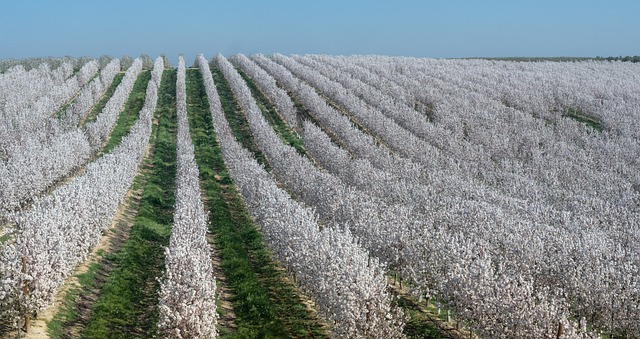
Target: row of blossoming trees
(30, 131)
(508, 193)
(519, 177)
(347, 285)
(56, 233)
(187, 295)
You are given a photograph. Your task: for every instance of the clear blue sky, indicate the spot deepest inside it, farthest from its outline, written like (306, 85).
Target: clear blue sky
(441, 28)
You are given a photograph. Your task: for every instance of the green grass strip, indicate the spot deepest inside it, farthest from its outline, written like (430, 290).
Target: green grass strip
(269, 111)
(93, 115)
(266, 305)
(235, 116)
(67, 313)
(418, 324)
(131, 111)
(580, 116)
(127, 306)
(304, 114)
(62, 111)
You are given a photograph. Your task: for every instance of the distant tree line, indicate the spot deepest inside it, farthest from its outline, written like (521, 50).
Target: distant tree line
(55, 62)
(635, 58)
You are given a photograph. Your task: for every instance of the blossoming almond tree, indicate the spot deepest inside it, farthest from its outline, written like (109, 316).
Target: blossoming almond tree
(187, 295)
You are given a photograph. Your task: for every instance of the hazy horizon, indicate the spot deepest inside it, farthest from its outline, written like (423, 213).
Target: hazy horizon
(439, 29)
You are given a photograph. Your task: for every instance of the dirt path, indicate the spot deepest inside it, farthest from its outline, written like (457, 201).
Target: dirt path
(223, 294)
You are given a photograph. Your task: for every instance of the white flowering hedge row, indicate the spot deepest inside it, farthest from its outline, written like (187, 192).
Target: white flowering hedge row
(187, 294)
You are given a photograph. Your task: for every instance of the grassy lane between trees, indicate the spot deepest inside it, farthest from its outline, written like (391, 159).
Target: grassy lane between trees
(235, 116)
(306, 115)
(126, 306)
(131, 111)
(265, 302)
(62, 110)
(585, 118)
(95, 111)
(270, 113)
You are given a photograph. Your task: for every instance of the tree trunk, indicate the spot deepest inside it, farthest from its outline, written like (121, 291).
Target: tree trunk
(560, 330)
(25, 291)
(611, 326)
